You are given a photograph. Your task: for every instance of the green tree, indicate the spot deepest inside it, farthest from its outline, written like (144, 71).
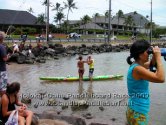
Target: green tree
(119, 15)
(58, 8)
(141, 18)
(59, 13)
(40, 19)
(45, 3)
(58, 18)
(95, 16)
(69, 5)
(30, 10)
(135, 12)
(129, 22)
(85, 20)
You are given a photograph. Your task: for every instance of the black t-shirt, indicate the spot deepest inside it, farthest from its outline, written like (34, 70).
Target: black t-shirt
(2, 55)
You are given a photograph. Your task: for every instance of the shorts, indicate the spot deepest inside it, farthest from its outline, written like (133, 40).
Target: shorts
(91, 72)
(135, 118)
(81, 71)
(3, 80)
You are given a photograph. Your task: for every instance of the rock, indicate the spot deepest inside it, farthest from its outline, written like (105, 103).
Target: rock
(113, 119)
(101, 108)
(66, 98)
(79, 105)
(87, 116)
(36, 105)
(64, 107)
(26, 100)
(35, 120)
(97, 124)
(52, 102)
(69, 119)
(52, 122)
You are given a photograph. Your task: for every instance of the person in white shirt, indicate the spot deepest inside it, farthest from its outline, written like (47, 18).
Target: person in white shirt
(15, 47)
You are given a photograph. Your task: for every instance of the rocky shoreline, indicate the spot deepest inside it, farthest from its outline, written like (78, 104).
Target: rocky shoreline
(58, 50)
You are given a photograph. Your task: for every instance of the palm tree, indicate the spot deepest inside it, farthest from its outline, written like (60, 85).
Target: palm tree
(58, 18)
(69, 5)
(129, 21)
(58, 8)
(30, 10)
(85, 20)
(135, 12)
(45, 3)
(146, 24)
(96, 15)
(59, 15)
(120, 15)
(64, 25)
(40, 19)
(141, 18)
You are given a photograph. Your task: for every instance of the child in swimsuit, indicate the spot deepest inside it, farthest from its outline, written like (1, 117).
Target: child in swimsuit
(80, 65)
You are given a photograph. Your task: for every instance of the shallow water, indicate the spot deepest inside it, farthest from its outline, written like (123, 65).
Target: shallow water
(114, 91)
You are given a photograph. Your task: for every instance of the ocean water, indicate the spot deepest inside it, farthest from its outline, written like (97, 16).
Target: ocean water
(111, 95)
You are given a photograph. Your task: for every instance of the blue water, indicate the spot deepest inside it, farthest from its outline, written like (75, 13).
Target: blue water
(115, 90)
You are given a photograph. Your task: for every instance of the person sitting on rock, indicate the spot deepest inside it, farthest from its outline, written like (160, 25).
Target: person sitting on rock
(15, 48)
(9, 100)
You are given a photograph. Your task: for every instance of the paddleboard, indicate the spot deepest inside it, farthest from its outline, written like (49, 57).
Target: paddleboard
(85, 78)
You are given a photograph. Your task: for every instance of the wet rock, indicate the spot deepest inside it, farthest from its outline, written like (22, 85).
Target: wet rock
(113, 119)
(41, 93)
(21, 59)
(52, 122)
(55, 57)
(51, 102)
(101, 108)
(35, 105)
(26, 100)
(98, 124)
(64, 107)
(87, 116)
(79, 105)
(50, 112)
(58, 45)
(35, 120)
(29, 61)
(40, 60)
(69, 119)
(83, 45)
(66, 98)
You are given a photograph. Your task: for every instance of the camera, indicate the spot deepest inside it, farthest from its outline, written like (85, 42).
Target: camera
(163, 52)
(150, 50)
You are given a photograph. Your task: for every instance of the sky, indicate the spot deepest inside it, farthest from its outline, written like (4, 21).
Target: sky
(90, 7)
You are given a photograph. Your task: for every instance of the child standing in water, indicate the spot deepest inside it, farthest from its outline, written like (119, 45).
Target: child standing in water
(90, 62)
(81, 70)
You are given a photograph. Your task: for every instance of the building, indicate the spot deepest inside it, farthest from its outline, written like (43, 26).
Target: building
(15, 18)
(130, 22)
